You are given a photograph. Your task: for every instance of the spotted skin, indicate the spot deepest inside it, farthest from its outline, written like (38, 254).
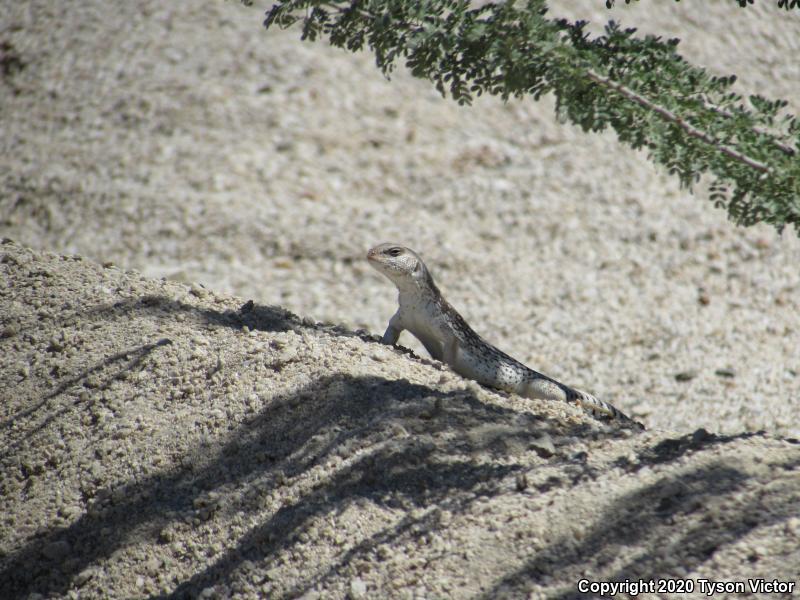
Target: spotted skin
(447, 337)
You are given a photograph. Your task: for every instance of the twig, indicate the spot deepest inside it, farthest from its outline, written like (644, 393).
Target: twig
(668, 115)
(788, 150)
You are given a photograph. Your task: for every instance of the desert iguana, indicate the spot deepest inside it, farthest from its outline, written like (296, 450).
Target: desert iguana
(447, 337)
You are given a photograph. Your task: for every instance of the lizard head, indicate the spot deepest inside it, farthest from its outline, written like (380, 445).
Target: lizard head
(400, 264)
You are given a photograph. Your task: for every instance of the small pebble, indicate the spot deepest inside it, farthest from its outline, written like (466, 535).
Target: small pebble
(358, 589)
(198, 290)
(685, 375)
(730, 373)
(701, 435)
(85, 575)
(378, 355)
(793, 526)
(543, 445)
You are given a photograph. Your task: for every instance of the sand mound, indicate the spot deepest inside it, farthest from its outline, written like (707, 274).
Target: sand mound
(163, 440)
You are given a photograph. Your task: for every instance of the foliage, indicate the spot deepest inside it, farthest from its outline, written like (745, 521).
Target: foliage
(690, 121)
(787, 4)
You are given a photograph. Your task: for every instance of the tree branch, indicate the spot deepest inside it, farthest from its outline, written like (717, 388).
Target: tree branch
(668, 115)
(787, 150)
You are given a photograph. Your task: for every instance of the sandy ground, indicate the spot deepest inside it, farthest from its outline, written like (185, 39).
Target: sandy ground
(158, 440)
(167, 441)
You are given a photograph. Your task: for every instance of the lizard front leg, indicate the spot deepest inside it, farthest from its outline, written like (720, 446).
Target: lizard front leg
(393, 331)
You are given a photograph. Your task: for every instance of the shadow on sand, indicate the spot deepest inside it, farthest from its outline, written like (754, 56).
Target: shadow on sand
(391, 443)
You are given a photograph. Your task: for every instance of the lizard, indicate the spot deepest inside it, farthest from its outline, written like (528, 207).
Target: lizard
(424, 312)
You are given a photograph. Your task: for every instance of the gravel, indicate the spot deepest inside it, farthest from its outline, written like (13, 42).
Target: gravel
(168, 438)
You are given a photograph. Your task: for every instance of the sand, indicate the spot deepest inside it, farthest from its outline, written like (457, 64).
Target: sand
(162, 437)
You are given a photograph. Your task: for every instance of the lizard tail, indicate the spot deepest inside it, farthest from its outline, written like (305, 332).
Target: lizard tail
(541, 386)
(595, 406)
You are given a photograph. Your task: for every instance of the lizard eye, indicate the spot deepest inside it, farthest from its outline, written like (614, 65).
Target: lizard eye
(394, 251)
